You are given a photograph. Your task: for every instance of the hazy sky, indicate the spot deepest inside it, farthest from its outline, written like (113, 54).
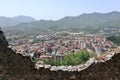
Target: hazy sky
(55, 9)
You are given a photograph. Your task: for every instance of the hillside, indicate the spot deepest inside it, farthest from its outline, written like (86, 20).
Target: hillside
(87, 22)
(11, 21)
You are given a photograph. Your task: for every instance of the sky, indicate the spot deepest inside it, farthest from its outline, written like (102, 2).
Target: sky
(55, 9)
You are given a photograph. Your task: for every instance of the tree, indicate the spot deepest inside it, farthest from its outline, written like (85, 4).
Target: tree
(72, 59)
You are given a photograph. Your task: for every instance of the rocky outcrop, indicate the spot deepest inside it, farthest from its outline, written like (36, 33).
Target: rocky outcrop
(16, 67)
(3, 41)
(13, 65)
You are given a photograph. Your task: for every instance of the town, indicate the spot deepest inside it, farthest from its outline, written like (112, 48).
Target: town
(45, 46)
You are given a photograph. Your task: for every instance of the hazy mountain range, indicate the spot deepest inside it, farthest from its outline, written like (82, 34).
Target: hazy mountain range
(88, 22)
(11, 21)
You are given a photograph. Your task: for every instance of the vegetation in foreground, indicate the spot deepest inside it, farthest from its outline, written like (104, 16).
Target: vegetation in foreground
(72, 59)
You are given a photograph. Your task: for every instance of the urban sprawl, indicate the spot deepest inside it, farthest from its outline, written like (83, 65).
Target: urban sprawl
(45, 46)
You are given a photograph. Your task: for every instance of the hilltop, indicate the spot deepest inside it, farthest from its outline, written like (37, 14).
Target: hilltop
(11, 21)
(83, 21)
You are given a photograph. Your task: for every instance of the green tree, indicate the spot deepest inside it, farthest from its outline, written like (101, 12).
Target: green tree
(72, 59)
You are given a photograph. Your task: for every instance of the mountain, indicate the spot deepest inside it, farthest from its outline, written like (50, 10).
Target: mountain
(7, 21)
(92, 21)
(23, 19)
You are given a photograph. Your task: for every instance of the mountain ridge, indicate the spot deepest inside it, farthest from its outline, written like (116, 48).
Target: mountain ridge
(11, 21)
(92, 20)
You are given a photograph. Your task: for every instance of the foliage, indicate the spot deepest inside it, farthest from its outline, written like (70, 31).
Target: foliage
(52, 62)
(72, 59)
(115, 39)
(36, 60)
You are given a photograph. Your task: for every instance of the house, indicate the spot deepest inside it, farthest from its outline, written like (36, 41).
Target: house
(58, 57)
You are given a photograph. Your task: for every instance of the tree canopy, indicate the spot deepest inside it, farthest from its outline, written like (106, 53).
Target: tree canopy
(115, 39)
(71, 59)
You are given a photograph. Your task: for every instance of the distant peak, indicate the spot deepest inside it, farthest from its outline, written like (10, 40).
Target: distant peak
(114, 12)
(22, 18)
